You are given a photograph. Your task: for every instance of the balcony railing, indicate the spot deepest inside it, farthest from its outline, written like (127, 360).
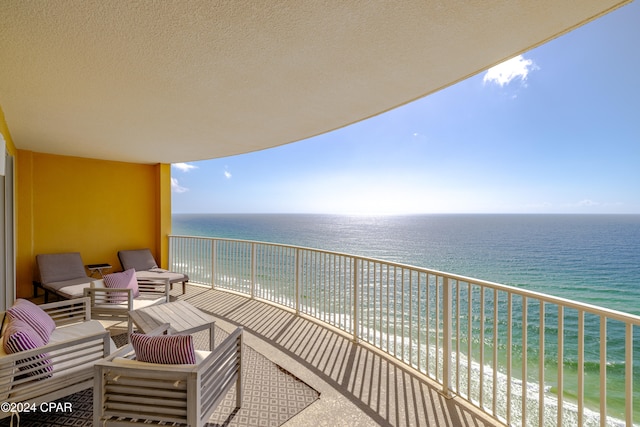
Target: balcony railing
(522, 357)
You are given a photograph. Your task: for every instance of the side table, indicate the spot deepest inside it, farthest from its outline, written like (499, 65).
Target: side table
(183, 318)
(98, 268)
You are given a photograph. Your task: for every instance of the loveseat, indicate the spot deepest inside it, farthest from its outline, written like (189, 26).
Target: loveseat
(54, 369)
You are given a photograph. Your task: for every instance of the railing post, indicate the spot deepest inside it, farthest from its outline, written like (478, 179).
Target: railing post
(170, 257)
(253, 270)
(298, 271)
(628, 373)
(446, 337)
(356, 319)
(214, 256)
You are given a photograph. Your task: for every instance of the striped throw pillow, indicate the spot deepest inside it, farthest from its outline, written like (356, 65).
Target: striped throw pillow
(20, 336)
(164, 349)
(123, 280)
(34, 316)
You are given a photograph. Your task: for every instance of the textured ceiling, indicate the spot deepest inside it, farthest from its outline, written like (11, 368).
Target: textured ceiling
(174, 81)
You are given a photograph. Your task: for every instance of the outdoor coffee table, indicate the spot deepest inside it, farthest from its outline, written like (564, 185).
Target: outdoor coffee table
(182, 317)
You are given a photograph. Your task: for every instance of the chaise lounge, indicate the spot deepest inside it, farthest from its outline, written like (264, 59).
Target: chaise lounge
(62, 274)
(147, 269)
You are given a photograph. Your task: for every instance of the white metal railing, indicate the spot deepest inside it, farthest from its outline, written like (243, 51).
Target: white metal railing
(523, 357)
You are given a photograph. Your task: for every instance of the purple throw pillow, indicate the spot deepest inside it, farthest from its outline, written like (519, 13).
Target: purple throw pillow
(34, 316)
(20, 336)
(124, 280)
(164, 349)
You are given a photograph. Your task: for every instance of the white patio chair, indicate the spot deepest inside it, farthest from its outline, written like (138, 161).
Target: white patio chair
(111, 306)
(128, 391)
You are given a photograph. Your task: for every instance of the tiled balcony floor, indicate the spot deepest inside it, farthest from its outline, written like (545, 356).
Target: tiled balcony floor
(358, 386)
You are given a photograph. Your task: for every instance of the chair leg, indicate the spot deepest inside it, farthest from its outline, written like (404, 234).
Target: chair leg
(184, 288)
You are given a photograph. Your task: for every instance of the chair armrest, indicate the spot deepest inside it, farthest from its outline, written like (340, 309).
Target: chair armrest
(105, 297)
(61, 345)
(51, 358)
(220, 371)
(231, 344)
(124, 351)
(69, 311)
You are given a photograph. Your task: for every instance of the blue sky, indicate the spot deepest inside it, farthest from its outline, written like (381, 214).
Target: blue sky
(555, 130)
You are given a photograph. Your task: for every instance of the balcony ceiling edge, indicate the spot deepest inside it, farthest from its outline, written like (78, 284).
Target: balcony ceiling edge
(170, 82)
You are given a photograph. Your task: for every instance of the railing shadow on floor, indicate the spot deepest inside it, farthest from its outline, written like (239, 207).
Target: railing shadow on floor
(383, 389)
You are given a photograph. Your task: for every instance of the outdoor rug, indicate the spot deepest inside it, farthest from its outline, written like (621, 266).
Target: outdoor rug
(271, 396)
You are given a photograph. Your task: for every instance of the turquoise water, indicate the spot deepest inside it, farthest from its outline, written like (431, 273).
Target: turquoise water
(589, 258)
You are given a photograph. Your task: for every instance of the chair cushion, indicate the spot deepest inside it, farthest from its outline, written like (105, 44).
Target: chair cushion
(34, 316)
(138, 303)
(200, 356)
(20, 336)
(164, 349)
(123, 280)
(76, 331)
(69, 289)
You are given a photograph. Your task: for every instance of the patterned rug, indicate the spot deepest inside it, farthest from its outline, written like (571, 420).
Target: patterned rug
(271, 396)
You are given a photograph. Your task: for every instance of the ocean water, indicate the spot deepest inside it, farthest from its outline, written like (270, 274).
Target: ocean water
(589, 258)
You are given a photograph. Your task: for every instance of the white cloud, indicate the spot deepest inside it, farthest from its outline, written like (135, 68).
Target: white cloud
(176, 187)
(227, 174)
(184, 167)
(585, 203)
(418, 137)
(502, 74)
(588, 202)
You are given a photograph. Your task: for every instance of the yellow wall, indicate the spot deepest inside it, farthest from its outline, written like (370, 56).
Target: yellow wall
(95, 207)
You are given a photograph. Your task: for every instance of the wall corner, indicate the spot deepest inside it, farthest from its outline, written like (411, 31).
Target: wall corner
(164, 213)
